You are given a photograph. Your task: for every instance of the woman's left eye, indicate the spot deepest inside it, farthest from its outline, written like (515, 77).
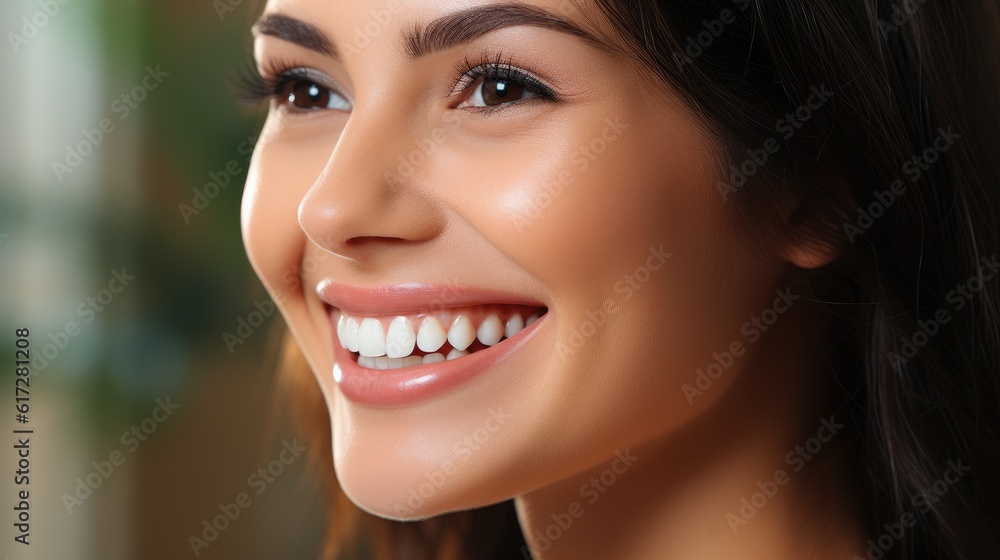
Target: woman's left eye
(496, 87)
(490, 92)
(306, 95)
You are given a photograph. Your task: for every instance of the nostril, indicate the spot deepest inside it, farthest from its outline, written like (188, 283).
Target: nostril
(362, 241)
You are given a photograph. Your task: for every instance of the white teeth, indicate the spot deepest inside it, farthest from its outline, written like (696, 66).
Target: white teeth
(491, 330)
(351, 334)
(383, 362)
(411, 361)
(433, 358)
(400, 339)
(431, 335)
(371, 338)
(514, 325)
(341, 322)
(462, 333)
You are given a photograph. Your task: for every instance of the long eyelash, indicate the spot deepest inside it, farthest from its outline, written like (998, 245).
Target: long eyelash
(252, 89)
(249, 87)
(497, 66)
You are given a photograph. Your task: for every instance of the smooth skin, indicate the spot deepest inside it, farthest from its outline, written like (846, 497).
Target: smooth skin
(503, 201)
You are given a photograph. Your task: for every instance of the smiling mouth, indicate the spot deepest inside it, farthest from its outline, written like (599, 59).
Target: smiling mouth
(397, 341)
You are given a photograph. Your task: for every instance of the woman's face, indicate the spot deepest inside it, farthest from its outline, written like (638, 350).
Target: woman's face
(392, 180)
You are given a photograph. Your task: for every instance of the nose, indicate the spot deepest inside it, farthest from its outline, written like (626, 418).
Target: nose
(361, 203)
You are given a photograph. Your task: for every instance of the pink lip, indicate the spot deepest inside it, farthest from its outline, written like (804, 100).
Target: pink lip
(404, 386)
(410, 298)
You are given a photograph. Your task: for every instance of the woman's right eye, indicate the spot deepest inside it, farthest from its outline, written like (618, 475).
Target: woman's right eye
(301, 94)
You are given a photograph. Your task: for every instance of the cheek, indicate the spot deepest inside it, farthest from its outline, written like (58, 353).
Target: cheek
(625, 227)
(280, 175)
(271, 235)
(588, 197)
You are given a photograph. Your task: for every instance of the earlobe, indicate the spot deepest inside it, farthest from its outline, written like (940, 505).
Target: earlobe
(813, 234)
(809, 253)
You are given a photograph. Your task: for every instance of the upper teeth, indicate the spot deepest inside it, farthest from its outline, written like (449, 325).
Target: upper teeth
(491, 330)
(462, 333)
(369, 337)
(432, 335)
(400, 339)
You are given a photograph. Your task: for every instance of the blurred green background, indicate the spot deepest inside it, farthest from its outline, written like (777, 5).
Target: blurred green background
(92, 213)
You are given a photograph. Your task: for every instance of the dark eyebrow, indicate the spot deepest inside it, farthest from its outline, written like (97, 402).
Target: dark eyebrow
(295, 31)
(465, 25)
(442, 33)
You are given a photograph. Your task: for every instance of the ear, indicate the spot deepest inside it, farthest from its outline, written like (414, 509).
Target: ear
(808, 253)
(813, 236)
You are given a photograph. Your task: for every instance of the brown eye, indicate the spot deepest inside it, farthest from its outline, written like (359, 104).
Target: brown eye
(497, 91)
(305, 95)
(493, 92)
(496, 86)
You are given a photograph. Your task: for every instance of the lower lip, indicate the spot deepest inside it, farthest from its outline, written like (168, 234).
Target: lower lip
(408, 385)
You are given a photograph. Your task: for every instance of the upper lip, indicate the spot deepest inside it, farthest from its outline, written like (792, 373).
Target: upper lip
(388, 299)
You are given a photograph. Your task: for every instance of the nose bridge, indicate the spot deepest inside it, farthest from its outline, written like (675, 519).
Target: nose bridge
(360, 193)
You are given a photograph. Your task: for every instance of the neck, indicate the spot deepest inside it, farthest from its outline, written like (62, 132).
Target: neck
(762, 474)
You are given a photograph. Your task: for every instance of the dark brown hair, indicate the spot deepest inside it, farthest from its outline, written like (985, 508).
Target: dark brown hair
(911, 216)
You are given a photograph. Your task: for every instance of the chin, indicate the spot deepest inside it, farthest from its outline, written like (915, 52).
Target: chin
(393, 488)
